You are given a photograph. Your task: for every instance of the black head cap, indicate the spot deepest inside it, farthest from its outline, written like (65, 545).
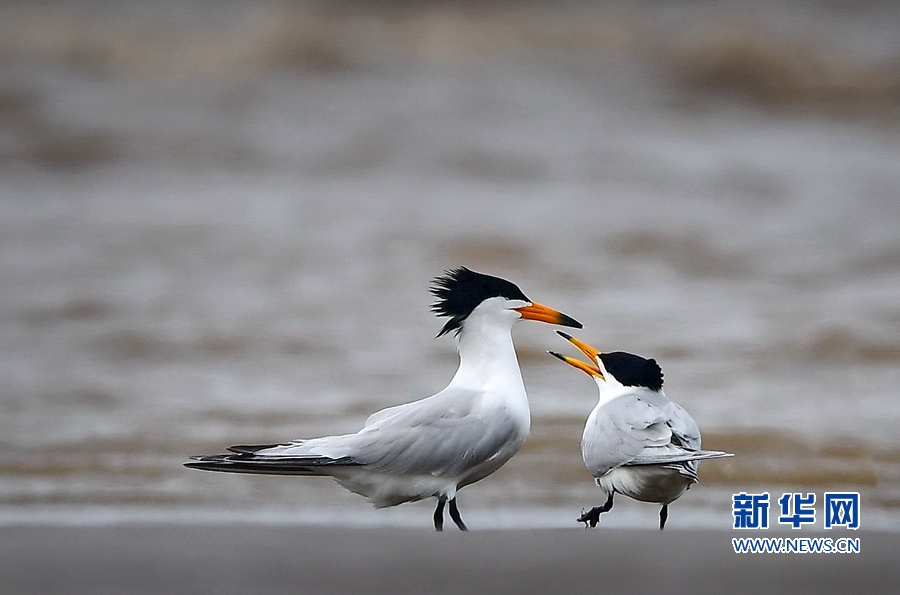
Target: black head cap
(459, 291)
(633, 370)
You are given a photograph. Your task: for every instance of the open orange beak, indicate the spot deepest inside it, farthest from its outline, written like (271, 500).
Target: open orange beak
(591, 369)
(544, 313)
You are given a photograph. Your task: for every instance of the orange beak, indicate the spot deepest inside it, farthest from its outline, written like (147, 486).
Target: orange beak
(543, 313)
(591, 369)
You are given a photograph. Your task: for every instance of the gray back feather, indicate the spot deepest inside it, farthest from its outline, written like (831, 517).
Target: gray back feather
(437, 436)
(633, 428)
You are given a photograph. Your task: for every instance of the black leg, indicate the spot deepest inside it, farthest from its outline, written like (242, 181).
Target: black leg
(454, 514)
(663, 515)
(439, 515)
(592, 517)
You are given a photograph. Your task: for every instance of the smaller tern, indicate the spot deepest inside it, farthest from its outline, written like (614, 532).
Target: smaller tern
(636, 442)
(432, 447)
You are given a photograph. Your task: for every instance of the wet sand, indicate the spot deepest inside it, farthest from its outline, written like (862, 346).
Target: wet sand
(263, 559)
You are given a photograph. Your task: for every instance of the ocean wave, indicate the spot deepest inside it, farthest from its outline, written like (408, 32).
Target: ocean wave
(728, 52)
(132, 344)
(785, 73)
(837, 344)
(691, 255)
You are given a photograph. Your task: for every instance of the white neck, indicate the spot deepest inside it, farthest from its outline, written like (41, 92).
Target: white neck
(487, 359)
(610, 389)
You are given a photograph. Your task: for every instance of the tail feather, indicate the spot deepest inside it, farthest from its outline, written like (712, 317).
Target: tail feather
(250, 448)
(683, 457)
(245, 461)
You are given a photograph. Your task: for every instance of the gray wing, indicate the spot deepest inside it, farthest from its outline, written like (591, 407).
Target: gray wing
(434, 439)
(620, 430)
(685, 432)
(440, 435)
(643, 430)
(683, 453)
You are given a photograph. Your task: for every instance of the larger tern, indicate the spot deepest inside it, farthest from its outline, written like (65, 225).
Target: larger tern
(636, 441)
(437, 445)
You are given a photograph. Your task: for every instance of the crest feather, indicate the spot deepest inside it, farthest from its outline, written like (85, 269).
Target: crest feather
(460, 290)
(633, 370)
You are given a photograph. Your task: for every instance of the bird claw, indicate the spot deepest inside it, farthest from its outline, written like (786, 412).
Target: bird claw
(590, 518)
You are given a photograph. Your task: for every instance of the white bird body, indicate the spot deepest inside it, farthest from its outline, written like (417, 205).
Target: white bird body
(434, 446)
(642, 445)
(636, 441)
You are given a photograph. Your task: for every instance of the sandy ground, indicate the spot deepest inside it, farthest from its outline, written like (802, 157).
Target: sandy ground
(260, 559)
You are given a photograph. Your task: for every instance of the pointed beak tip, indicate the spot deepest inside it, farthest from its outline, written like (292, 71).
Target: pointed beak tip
(576, 363)
(564, 335)
(570, 322)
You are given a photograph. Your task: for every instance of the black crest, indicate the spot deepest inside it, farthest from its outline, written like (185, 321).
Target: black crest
(459, 291)
(633, 370)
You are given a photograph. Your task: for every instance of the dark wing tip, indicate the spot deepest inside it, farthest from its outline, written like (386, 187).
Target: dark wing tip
(206, 461)
(249, 449)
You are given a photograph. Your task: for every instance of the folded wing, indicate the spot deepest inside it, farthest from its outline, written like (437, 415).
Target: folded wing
(633, 430)
(443, 435)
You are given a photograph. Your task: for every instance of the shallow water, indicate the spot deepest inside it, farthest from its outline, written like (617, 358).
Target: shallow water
(242, 253)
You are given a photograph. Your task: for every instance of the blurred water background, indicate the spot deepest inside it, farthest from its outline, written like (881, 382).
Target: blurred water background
(219, 222)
